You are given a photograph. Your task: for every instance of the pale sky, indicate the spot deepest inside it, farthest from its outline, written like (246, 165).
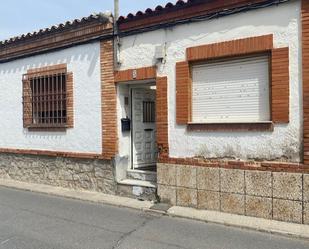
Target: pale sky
(22, 16)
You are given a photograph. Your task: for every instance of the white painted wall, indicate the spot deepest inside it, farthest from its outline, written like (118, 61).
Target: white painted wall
(123, 111)
(85, 137)
(283, 21)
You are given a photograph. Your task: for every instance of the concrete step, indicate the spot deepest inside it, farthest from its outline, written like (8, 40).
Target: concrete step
(138, 189)
(150, 176)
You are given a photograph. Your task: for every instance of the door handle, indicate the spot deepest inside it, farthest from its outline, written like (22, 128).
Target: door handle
(148, 129)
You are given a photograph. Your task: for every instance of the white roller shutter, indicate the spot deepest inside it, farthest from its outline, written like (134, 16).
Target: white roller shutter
(234, 90)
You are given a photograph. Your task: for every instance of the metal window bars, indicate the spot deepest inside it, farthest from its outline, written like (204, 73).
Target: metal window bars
(48, 99)
(149, 112)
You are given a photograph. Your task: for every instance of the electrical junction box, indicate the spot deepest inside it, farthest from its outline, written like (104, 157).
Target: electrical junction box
(125, 124)
(160, 52)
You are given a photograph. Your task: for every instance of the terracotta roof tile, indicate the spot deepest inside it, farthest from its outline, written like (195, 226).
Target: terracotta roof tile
(180, 4)
(100, 17)
(158, 9)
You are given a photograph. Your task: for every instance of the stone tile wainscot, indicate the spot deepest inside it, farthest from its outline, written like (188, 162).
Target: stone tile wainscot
(279, 196)
(87, 174)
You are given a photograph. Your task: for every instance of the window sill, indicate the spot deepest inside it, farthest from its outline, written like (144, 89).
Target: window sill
(47, 128)
(255, 126)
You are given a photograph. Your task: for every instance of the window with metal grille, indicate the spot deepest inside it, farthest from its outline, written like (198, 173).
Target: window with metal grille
(45, 99)
(149, 112)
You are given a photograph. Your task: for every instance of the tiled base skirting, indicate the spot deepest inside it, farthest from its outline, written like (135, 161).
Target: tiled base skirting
(87, 174)
(280, 196)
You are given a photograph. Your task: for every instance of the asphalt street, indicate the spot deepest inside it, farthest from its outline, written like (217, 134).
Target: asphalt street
(36, 221)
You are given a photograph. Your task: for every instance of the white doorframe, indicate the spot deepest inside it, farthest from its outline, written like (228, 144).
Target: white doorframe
(132, 149)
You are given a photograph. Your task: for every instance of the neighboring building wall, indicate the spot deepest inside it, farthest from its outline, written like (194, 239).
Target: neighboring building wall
(88, 174)
(248, 173)
(70, 158)
(283, 21)
(86, 135)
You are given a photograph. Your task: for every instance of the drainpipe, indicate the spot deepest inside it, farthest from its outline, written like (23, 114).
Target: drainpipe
(117, 39)
(116, 10)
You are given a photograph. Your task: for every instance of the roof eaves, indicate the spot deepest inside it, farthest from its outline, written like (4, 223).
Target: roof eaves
(159, 9)
(186, 11)
(96, 17)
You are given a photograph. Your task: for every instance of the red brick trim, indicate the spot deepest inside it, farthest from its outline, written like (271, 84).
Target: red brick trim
(267, 126)
(51, 129)
(70, 100)
(183, 93)
(162, 116)
(36, 72)
(245, 165)
(143, 73)
(27, 106)
(238, 47)
(109, 101)
(305, 70)
(53, 153)
(280, 85)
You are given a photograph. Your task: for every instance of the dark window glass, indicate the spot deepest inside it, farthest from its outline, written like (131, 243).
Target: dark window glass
(149, 112)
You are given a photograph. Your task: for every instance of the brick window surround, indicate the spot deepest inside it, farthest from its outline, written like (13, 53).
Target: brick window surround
(279, 81)
(147, 73)
(47, 90)
(305, 61)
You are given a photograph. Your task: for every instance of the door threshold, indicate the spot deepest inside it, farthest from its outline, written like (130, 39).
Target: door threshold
(149, 168)
(140, 183)
(142, 171)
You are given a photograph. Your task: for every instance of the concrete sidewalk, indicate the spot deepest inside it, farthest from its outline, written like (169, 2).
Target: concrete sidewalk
(190, 213)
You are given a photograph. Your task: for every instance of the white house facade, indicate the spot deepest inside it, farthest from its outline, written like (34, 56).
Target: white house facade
(231, 119)
(201, 104)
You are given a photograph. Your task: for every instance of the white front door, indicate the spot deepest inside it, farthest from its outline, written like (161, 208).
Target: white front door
(144, 146)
